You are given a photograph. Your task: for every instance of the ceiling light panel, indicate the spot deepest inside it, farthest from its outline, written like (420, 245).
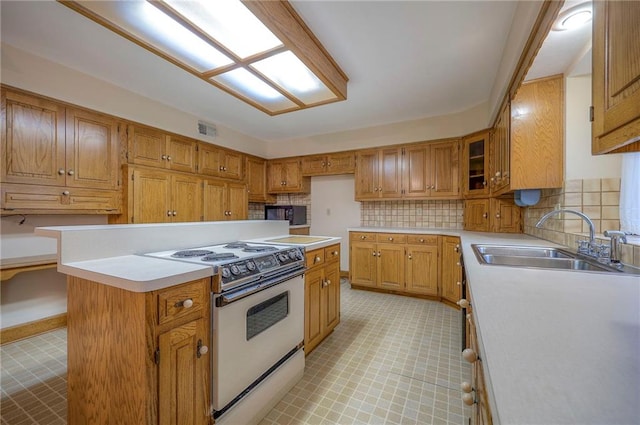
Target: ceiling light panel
(230, 23)
(259, 51)
(288, 72)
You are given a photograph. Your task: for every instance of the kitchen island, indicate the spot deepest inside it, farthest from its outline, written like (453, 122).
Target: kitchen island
(139, 327)
(556, 346)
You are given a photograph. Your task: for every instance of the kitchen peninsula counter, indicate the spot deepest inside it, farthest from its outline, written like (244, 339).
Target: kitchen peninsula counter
(558, 347)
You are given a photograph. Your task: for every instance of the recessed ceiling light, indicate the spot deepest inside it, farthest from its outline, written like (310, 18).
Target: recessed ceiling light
(574, 17)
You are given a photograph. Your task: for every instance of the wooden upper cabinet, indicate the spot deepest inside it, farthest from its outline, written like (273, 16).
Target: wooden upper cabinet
(616, 77)
(154, 148)
(416, 171)
(475, 165)
(92, 150)
(333, 163)
(256, 173)
(219, 162)
(378, 174)
(224, 200)
(445, 179)
(500, 215)
(33, 140)
(476, 215)
(537, 135)
(499, 151)
(285, 176)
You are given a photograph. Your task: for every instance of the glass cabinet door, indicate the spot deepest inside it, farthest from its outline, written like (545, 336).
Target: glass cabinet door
(476, 161)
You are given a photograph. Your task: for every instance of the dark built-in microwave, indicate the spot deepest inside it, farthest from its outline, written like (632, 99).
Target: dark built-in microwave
(295, 214)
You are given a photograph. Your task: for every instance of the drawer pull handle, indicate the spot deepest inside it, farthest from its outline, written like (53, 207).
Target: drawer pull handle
(335, 252)
(466, 387)
(421, 240)
(188, 303)
(468, 399)
(391, 239)
(363, 237)
(65, 192)
(317, 259)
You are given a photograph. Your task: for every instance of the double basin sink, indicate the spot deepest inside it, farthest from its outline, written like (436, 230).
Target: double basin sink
(543, 257)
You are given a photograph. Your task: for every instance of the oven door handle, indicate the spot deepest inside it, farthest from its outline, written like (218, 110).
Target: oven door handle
(237, 295)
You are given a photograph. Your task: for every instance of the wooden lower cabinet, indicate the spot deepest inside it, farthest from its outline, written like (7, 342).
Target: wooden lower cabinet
(322, 295)
(395, 262)
(138, 358)
(451, 275)
(481, 411)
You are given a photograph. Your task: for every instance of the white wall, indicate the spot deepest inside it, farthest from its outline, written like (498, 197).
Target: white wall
(333, 210)
(579, 162)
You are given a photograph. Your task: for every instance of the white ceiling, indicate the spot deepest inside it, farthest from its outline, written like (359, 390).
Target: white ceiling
(405, 60)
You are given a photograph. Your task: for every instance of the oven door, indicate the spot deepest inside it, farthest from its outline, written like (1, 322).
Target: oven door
(251, 334)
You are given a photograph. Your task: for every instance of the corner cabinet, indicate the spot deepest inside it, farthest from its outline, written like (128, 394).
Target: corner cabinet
(157, 340)
(57, 158)
(285, 176)
(322, 295)
(616, 77)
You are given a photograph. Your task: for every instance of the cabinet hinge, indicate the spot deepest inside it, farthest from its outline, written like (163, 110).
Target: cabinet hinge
(197, 148)
(126, 155)
(197, 167)
(590, 113)
(132, 176)
(156, 356)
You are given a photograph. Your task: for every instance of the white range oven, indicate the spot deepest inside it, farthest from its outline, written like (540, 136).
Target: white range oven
(257, 318)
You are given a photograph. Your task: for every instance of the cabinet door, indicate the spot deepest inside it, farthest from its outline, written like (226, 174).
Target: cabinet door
(92, 149)
(181, 154)
(315, 165)
(237, 202)
(341, 163)
(422, 270)
(275, 178)
(313, 309)
(500, 152)
(33, 140)
(616, 76)
(390, 268)
(367, 172)
(416, 174)
(214, 200)
(444, 170)
(151, 197)
(390, 173)
(232, 165)
(182, 377)
(257, 180)
(506, 216)
(363, 263)
(291, 175)
(331, 297)
(475, 165)
(476, 215)
(451, 272)
(186, 197)
(209, 160)
(147, 146)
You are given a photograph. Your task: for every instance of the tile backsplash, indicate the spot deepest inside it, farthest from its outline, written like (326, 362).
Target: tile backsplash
(599, 199)
(429, 214)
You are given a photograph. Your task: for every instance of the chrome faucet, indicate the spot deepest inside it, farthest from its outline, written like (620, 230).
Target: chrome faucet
(591, 248)
(614, 250)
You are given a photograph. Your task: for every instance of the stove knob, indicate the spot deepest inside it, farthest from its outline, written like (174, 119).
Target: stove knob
(225, 272)
(282, 257)
(235, 269)
(251, 265)
(293, 255)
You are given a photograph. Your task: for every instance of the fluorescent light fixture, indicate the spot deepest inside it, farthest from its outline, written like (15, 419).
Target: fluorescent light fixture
(574, 17)
(258, 51)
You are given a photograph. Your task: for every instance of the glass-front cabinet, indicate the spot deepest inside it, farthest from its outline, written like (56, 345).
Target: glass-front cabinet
(475, 165)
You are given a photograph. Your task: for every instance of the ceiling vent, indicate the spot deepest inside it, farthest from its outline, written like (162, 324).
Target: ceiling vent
(207, 129)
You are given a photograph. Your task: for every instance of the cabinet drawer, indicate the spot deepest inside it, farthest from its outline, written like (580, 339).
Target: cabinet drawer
(315, 257)
(422, 239)
(173, 303)
(362, 236)
(391, 238)
(24, 197)
(332, 253)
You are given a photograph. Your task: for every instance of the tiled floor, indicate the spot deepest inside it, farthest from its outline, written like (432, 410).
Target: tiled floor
(392, 360)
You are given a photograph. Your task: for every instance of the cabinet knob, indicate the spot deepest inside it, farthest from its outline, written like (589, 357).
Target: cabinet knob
(164, 157)
(484, 183)
(410, 257)
(457, 248)
(61, 171)
(498, 174)
(324, 163)
(466, 387)
(201, 349)
(374, 253)
(469, 317)
(469, 355)
(328, 282)
(168, 213)
(363, 237)
(65, 192)
(317, 259)
(485, 215)
(421, 240)
(188, 303)
(459, 283)
(468, 399)
(433, 186)
(220, 168)
(328, 164)
(391, 239)
(497, 215)
(463, 303)
(375, 189)
(335, 253)
(174, 213)
(71, 172)
(168, 157)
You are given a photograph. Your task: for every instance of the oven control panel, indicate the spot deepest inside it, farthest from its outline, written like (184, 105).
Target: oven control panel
(254, 268)
(238, 270)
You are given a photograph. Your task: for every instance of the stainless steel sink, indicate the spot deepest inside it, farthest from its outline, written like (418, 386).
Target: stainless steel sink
(523, 251)
(545, 258)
